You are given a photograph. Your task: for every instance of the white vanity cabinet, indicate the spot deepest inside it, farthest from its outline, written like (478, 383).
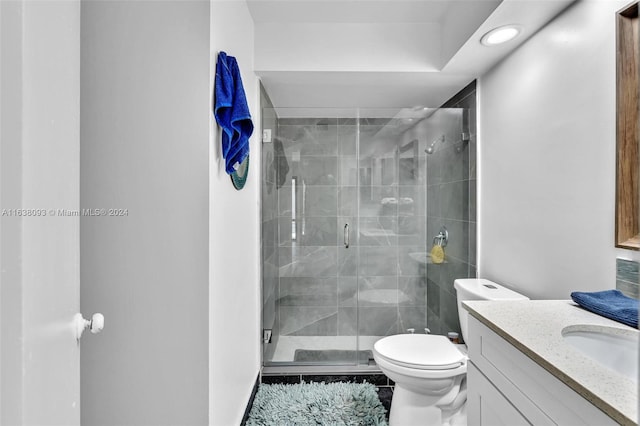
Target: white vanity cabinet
(505, 387)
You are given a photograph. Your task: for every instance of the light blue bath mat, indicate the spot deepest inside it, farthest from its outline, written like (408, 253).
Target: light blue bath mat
(317, 404)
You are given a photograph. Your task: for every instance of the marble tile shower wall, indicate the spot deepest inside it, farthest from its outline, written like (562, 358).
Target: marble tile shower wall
(392, 224)
(307, 220)
(319, 278)
(451, 202)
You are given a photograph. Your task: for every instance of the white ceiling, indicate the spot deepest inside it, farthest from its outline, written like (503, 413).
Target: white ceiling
(382, 53)
(364, 11)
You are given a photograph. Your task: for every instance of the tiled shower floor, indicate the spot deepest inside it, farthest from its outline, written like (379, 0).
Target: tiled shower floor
(287, 345)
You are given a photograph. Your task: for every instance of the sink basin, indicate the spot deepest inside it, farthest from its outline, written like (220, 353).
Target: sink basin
(613, 348)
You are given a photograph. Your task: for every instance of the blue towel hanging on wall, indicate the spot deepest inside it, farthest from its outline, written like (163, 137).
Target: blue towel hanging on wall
(231, 112)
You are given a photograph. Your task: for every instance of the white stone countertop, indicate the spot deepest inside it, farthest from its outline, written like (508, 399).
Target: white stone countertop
(535, 328)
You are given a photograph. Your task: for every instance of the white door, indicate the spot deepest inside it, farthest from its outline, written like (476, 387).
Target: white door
(39, 198)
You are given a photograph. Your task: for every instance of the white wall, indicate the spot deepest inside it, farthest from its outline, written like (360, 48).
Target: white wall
(235, 306)
(145, 148)
(547, 158)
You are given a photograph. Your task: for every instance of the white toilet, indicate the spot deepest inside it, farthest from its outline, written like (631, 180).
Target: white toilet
(429, 370)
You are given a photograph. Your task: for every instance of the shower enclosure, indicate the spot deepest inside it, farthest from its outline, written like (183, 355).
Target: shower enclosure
(352, 201)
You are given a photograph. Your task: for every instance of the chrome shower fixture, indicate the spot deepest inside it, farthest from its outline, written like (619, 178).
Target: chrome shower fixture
(464, 141)
(432, 148)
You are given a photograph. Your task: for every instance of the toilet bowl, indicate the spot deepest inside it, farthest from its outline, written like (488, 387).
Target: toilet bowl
(430, 376)
(430, 371)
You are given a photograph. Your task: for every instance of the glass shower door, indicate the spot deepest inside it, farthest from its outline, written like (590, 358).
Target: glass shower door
(392, 226)
(414, 180)
(306, 228)
(351, 203)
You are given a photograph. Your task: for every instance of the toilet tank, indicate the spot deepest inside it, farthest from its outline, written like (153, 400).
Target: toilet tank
(479, 289)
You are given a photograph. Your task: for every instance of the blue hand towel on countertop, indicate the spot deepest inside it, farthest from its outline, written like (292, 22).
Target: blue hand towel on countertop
(232, 112)
(611, 304)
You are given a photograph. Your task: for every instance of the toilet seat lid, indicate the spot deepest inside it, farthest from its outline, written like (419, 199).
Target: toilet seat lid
(420, 351)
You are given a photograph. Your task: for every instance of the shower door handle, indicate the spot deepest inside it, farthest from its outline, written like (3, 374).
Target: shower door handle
(346, 235)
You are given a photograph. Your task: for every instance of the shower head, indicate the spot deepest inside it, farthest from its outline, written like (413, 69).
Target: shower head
(432, 148)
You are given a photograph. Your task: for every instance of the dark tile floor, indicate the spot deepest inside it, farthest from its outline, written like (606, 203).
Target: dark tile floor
(375, 379)
(386, 394)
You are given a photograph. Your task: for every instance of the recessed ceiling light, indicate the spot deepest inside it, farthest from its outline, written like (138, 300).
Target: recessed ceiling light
(500, 35)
